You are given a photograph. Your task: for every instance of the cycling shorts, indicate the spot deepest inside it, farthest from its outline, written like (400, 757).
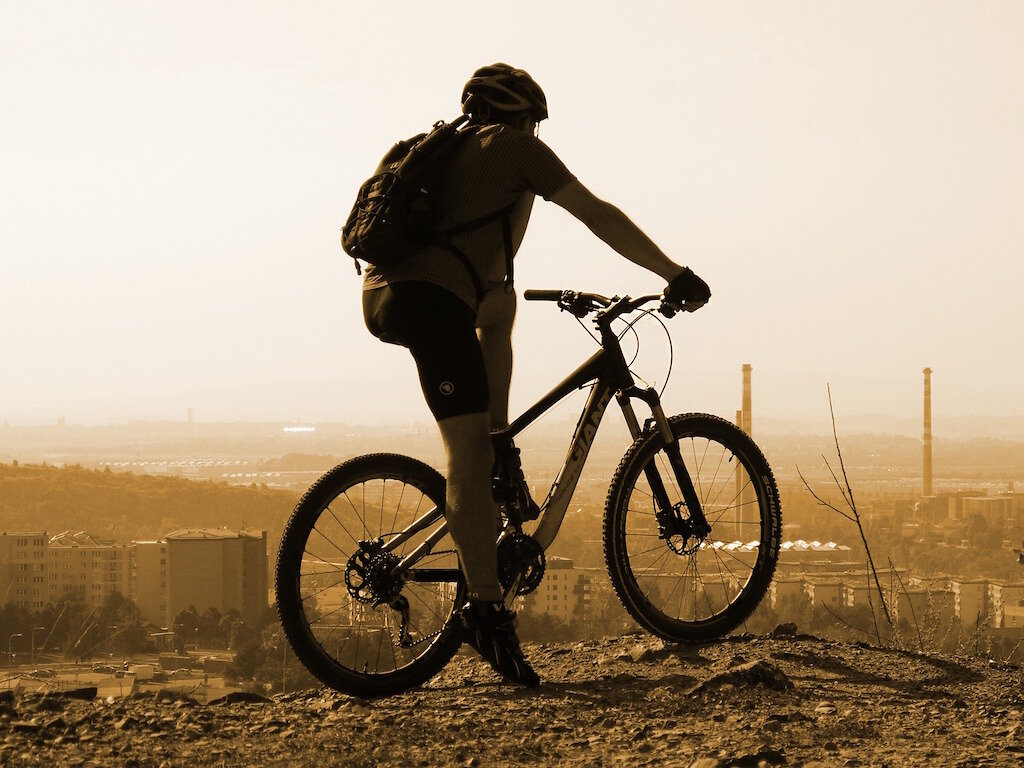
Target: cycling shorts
(439, 329)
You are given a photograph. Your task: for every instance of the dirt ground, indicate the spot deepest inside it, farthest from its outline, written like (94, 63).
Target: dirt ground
(749, 701)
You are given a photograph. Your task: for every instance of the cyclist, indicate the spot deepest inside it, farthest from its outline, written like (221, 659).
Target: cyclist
(461, 339)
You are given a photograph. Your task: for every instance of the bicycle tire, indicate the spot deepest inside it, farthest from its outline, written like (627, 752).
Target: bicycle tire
(293, 607)
(730, 605)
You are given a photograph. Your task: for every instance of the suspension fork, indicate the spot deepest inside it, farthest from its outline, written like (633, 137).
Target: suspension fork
(669, 520)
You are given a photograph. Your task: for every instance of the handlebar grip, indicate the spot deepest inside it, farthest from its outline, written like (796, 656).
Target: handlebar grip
(533, 294)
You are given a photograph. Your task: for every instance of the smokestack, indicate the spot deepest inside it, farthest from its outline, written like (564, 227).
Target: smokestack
(927, 431)
(746, 500)
(746, 426)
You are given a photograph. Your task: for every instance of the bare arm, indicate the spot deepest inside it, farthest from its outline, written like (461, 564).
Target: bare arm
(615, 228)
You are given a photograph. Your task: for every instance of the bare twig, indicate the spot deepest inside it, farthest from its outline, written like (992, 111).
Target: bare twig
(845, 623)
(917, 628)
(846, 491)
(853, 508)
(871, 603)
(822, 502)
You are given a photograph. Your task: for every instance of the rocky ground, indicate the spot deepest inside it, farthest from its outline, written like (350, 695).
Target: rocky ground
(784, 699)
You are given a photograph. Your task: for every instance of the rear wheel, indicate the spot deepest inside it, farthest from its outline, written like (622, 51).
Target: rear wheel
(351, 623)
(698, 588)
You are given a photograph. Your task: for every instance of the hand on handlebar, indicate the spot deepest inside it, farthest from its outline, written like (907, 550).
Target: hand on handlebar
(686, 292)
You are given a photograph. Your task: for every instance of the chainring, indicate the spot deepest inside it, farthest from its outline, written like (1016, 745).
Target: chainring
(520, 555)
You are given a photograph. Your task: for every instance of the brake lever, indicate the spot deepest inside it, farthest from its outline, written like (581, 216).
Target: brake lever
(577, 305)
(668, 310)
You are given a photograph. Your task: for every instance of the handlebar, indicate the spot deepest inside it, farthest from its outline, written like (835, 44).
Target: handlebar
(534, 294)
(582, 304)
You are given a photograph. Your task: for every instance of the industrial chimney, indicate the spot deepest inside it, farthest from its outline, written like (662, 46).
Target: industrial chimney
(746, 400)
(927, 431)
(746, 499)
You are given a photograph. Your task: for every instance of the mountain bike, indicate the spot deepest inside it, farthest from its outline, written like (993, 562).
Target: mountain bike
(368, 580)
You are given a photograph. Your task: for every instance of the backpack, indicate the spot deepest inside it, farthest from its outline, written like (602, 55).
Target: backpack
(395, 213)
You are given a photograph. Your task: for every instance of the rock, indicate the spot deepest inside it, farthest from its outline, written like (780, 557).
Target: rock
(27, 726)
(704, 762)
(825, 708)
(787, 629)
(241, 697)
(87, 693)
(125, 722)
(753, 673)
(48, 704)
(754, 759)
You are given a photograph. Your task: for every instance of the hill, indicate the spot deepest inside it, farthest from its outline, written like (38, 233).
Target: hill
(126, 507)
(748, 701)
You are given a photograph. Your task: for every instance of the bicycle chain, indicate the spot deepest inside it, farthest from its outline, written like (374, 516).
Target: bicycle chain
(413, 643)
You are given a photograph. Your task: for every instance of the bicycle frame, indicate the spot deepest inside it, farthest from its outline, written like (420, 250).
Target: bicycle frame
(610, 376)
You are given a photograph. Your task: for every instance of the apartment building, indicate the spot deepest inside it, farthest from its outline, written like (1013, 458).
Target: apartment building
(564, 592)
(23, 568)
(1002, 599)
(86, 564)
(217, 568)
(149, 580)
(828, 592)
(969, 601)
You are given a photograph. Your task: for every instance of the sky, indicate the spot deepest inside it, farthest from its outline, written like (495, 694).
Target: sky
(847, 177)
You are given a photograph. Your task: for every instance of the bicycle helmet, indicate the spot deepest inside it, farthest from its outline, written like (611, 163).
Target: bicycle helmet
(505, 89)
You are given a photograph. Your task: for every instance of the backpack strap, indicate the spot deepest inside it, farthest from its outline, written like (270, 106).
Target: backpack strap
(445, 241)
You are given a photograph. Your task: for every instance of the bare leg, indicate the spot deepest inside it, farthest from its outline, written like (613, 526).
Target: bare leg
(495, 318)
(471, 512)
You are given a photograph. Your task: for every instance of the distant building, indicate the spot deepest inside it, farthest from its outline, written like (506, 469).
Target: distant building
(23, 568)
(83, 563)
(969, 601)
(826, 593)
(149, 580)
(994, 509)
(564, 592)
(858, 594)
(786, 588)
(1002, 597)
(1013, 617)
(217, 568)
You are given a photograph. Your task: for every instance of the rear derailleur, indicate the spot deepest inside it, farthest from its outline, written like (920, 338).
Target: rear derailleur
(371, 580)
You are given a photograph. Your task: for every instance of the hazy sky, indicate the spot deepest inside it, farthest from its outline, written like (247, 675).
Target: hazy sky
(848, 177)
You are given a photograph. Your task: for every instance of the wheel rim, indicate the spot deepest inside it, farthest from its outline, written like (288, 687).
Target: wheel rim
(352, 630)
(695, 582)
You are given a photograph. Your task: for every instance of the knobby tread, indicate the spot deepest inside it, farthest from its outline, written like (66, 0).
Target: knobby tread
(683, 425)
(288, 564)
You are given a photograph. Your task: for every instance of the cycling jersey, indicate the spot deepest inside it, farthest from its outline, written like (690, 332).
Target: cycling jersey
(494, 166)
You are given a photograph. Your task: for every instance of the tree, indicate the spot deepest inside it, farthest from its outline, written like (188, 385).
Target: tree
(184, 627)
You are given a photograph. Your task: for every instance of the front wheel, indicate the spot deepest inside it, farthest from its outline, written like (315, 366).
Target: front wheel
(700, 588)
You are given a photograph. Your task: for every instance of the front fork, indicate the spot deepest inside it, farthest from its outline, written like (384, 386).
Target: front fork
(670, 521)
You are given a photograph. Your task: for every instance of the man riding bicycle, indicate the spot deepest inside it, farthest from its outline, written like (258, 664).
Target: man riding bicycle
(458, 324)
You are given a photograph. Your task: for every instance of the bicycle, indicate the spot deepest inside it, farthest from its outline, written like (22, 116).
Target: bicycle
(368, 595)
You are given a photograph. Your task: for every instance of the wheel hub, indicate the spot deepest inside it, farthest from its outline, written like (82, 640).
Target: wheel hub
(681, 534)
(369, 574)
